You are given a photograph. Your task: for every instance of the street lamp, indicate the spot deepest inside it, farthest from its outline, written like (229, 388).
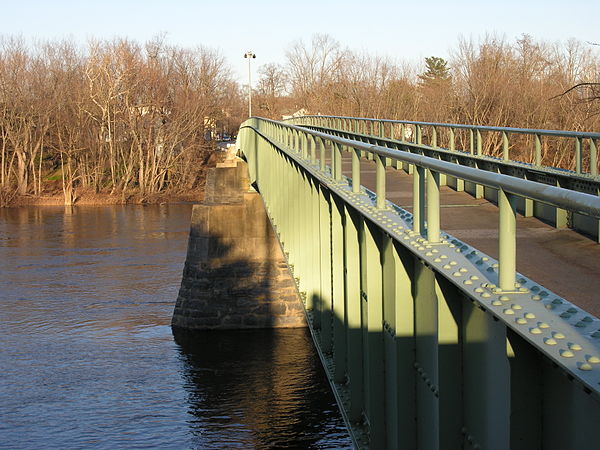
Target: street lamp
(250, 56)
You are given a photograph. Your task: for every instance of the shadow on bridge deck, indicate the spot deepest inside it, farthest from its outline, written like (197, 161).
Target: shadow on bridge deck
(561, 260)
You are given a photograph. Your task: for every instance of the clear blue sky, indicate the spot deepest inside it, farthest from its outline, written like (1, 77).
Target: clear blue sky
(403, 30)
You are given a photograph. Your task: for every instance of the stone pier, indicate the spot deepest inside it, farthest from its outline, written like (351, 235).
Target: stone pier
(235, 275)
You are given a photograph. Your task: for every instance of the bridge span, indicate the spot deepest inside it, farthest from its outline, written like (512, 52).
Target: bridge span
(434, 331)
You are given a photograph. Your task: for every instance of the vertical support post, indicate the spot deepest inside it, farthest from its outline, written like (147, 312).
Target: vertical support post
(433, 206)
(451, 139)
(472, 141)
(479, 143)
(419, 134)
(419, 200)
(321, 155)
(426, 355)
(507, 243)
(434, 137)
(578, 154)
(593, 157)
(380, 181)
(374, 354)
(538, 149)
(486, 381)
(505, 154)
(338, 289)
(404, 338)
(355, 170)
(337, 158)
(353, 232)
(325, 292)
(313, 149)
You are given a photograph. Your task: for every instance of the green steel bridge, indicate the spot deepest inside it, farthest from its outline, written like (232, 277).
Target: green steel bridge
(430, 341)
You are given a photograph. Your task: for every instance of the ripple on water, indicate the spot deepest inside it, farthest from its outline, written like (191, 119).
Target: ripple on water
(89, 359)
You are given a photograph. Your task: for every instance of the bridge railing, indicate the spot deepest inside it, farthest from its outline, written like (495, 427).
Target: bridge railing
(425, 339)
(403, 130)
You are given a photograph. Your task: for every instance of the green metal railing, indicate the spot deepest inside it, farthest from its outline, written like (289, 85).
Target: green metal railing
(428, 342)
(397, 129)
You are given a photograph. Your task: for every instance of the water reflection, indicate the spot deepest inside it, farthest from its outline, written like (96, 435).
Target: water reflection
(245, 389)
(88, 358)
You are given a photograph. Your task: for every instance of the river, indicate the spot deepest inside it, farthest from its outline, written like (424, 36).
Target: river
(88, 359)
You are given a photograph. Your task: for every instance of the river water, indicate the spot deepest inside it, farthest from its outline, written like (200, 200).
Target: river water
(88, 359)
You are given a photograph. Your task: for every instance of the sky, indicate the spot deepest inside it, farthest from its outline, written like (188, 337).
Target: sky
(404, 31)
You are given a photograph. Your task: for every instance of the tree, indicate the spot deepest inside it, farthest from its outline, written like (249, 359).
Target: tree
(437, 71)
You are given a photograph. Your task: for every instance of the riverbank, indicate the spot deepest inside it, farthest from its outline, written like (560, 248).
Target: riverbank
(97, 199)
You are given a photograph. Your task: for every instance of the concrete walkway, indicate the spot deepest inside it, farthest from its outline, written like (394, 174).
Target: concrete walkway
(562, 261)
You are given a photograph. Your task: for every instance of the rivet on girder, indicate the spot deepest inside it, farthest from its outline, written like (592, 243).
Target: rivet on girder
(543, 325)
(478, 290)
(575, 347)
(497, 303)
(486, 294)
(521, 321)
(536, 298)
(581, 324)
(474, 277)
(558, 335)
(550, 341)
(584, 366)
(516, 306)
(535, 330)
(504, 298)
(457, 274)
(508, 311)
(566, 353)
(529, 315)
(593, 359)
(557, 301)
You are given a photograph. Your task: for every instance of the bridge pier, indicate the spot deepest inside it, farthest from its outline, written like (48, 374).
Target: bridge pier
(235, 274)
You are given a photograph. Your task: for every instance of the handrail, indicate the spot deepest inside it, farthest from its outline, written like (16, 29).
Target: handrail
(508, 189)
(556, 196)
(475, 138)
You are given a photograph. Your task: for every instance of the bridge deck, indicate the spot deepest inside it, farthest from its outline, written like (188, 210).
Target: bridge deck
(561, 260)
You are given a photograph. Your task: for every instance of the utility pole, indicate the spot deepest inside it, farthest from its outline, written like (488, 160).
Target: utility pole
(249, 55)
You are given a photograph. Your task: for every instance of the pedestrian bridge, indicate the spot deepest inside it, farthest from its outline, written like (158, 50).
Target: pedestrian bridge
(462, 314)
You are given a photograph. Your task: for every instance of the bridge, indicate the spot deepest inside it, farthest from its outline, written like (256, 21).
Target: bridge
(436, 339)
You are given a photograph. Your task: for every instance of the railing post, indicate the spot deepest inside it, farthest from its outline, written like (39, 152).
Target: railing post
(419, 133)
(322, 155)
(313, 149)
(505, 155)
(472, 141)
(538, 150)
(507, 242)
(578, 155)
(451, 138)
(433, 206)
(593, 158)
(380, 181)
(336, 157)
(434, 137)
(418, 199)
(355, 170)
(479, 143)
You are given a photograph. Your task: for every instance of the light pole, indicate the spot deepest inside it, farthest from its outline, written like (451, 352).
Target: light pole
(249, 55)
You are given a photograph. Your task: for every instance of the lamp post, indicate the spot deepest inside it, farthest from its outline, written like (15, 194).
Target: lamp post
(249, 55)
